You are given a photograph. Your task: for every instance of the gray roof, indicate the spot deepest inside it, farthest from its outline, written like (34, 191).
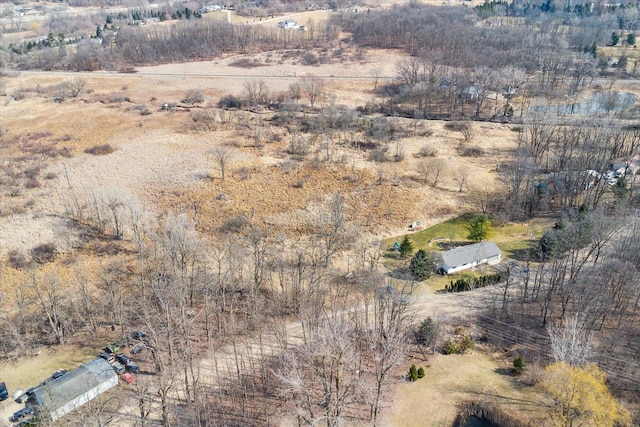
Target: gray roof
(58, 392)
(470, 253)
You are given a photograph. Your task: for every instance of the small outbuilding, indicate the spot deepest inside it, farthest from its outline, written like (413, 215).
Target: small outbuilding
(465, 257)
(59, 397)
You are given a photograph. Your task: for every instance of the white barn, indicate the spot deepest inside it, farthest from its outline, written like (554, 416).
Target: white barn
(62, 395)
(469, 256)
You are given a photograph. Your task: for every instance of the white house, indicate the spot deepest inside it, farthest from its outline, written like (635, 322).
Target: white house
(469, 256)
(72, 390)
(288, 24)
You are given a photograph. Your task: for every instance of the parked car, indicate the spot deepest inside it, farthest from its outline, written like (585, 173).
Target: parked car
(18, 415)
(132, 367)
(118, 368)
(122, 358)
(19, 395)
(57, 374)
(108, 357)
(4, 393)
(128, 378)
(138, 335)
(137, 348)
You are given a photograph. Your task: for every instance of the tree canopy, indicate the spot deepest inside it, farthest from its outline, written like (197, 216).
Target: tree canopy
(579, 396)
(421, 265)
(480, 229)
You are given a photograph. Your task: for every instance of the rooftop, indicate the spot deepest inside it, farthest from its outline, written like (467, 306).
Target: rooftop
(58, 392)
(471, 253)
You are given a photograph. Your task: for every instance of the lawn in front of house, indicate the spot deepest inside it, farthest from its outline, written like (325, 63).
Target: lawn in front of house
(513, 239)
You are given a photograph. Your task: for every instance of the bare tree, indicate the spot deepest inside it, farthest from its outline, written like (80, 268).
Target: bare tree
(256, 91)
(570, 342)
(461, 177)
(432, 170)
(312, 86)
(222, 155)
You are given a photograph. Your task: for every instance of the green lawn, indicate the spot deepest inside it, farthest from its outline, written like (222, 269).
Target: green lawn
(514, 239)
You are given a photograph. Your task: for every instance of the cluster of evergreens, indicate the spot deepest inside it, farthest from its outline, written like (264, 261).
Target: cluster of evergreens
(468, 284)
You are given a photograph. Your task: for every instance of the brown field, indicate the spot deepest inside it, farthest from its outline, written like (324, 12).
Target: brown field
(162, 161)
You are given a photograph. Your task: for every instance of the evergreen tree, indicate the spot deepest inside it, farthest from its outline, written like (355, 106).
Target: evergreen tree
(631, 39)
(420, 265)
(615, 38)
(518, 365)
(406, 247)
(620, 189)
(480, 229)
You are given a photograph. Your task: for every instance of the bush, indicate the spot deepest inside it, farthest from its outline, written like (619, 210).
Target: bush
(463, 127)
(413, 373)
(100, 150)
(45, 253)
(235, 224)
(230, 102)
(518, 365)
(193, 96)
(468, 284)
(450, 347)
(420, 372)
(310, 59)
(473, 152)
(465, 344)
(426, 151)
(17, 259)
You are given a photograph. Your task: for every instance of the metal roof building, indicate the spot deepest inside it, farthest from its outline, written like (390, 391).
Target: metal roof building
(469, 256)
(61, 396)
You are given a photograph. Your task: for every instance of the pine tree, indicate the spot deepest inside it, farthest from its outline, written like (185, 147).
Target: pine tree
(480, 229)
(406, 247)
(420, 265)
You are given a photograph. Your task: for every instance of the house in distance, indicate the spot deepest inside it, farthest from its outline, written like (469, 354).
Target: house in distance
(465, 257)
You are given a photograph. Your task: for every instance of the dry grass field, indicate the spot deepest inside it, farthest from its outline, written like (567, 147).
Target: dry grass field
(160, 159)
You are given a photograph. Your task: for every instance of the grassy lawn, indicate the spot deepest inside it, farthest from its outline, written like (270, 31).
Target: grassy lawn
(514, 239)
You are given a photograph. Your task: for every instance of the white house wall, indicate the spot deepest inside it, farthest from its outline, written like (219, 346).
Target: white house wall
(494, 260)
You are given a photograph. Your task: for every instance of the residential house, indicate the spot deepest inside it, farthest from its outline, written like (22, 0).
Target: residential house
(288, 24)
(465, 257)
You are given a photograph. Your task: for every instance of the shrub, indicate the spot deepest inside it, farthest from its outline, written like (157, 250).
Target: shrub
(235, 224)
(420, 372)
(413, 373)
(473, 152)
(518, 365)
(310, 59)
(450, 347)
(193, 96)
(44, 253)
(100, 150)
(230, 102)
(463, 127)
(465, 344)
(17, 259)
(426, 151)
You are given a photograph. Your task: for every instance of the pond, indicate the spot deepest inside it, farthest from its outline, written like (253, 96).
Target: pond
(602, 102)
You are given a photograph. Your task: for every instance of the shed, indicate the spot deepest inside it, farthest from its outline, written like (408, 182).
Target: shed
(469, 256)
(62, 395)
